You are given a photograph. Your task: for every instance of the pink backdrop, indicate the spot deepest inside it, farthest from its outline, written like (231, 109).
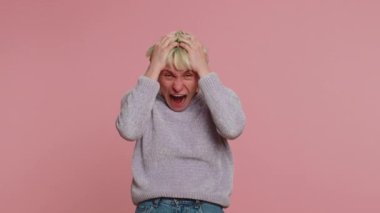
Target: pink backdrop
(307, 73)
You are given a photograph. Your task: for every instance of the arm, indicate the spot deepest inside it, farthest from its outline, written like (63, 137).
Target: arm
(223, 103)
(135, 109)
(137, 105)
(224, 106)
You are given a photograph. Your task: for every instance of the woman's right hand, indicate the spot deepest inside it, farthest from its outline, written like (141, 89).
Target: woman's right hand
(159, 55)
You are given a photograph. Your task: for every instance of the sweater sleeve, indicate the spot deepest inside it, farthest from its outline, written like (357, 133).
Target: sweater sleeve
(224, 106)
(136, 107)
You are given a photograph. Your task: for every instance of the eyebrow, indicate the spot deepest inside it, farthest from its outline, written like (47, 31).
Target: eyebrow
(167, 71)
(178, 73)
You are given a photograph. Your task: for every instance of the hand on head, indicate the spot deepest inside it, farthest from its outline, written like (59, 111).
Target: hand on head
(196, 54)
(158, 54)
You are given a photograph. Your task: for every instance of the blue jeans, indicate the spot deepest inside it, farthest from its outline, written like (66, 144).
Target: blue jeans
(174, 205)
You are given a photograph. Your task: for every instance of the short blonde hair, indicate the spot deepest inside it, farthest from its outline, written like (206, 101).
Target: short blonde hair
(177, 57)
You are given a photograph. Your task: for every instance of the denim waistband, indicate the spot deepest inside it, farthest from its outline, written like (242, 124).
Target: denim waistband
(176, 202)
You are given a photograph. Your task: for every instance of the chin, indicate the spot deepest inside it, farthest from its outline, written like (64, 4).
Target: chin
(178, 109)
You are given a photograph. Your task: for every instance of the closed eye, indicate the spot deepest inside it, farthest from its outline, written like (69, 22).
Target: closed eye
(189, 75)
(167, 74)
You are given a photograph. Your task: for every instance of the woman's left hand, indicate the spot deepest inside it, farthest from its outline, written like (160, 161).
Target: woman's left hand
(197, 55)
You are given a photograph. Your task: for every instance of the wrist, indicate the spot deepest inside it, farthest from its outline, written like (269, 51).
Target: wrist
(203, 72)
(152, 72)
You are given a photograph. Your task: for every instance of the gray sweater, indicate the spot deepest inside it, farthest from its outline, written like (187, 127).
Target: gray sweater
(181, 154)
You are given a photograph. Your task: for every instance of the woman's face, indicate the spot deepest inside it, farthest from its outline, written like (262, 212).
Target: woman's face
(178, 87)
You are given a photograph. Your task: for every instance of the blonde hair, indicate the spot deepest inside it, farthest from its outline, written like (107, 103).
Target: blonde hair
(177, 57)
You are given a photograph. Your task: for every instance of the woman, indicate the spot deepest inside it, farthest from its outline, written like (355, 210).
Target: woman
(180, 116)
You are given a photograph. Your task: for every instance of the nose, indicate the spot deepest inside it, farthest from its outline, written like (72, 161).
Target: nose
(178, 85)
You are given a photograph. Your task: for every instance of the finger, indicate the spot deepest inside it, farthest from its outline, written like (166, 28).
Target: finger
(166, 37)
(189, 37)
(172, 45)
(186, 46)
(172, 33)
(186, 40)
(197, 44)
(162, 39)
(168, 42)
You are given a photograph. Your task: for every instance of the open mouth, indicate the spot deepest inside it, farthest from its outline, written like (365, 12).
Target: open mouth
(178, 98)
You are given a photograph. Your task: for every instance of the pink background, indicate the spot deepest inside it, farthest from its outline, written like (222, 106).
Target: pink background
(307, 73)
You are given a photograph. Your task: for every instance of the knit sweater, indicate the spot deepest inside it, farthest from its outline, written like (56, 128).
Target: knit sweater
(181, 154)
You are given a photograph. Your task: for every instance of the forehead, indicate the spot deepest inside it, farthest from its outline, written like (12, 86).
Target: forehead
(171, 67)
(174, 70)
